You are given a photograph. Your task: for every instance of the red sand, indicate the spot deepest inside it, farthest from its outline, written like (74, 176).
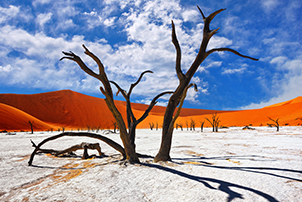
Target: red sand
(78, 111)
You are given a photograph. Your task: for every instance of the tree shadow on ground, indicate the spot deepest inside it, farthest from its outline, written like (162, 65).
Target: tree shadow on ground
(201, 161)
(223, 185)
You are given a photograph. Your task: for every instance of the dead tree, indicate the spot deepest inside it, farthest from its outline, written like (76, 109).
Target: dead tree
(127, 137)
(31, 126)
(214, 122)
(201, 125)
(185, 78)
(192, 124)
(114, 126)
(187, 124)
(181, 126)
(151, 125)
(276, 123)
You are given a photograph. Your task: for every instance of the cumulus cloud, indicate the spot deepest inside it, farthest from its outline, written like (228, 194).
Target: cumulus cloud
(43, 18)
(8, 13)
(146, 26)
(288, 87)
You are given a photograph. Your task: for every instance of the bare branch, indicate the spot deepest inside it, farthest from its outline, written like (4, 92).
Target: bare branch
(96, 59)
(203, 16)
(153, 102)
(230, 50)
(179, 73)
(78, 60)
(139, 79)
(207, 20)
(124, 93)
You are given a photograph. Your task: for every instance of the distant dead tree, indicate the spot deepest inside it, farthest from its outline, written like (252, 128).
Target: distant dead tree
(187, 124)
(156, 126)
(276, 123)
(31, 126)
(114, 124)
(192, 124)
(185, 79)
(214, 122)
(201, 125)
(151, 125)
(180, 125)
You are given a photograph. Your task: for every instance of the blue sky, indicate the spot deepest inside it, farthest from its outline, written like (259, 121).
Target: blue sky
(133, 36)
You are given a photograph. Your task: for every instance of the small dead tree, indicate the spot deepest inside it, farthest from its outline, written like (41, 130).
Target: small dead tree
(31, 126)
(276, 123)
(192, 125)
(201, 125)
(114, 126)
(181, 126)
(151, 125)
(187, 124)
(214, 122)
(185, 78)
(156, 126)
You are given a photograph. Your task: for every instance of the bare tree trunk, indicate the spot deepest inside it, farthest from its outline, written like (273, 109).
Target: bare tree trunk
(184, 80)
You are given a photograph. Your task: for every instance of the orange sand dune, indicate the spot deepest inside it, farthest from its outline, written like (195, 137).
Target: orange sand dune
(14, 119)
(78, 111)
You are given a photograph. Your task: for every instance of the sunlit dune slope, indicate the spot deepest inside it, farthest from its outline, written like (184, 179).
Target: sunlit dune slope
(287, 115)
(64, 108)
(15, 119)
(78, 111)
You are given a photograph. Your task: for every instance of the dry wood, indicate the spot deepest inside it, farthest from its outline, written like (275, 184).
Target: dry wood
(83, 145)
(110, 142)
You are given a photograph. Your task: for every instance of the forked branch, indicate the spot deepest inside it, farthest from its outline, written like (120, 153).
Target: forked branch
(184, 95)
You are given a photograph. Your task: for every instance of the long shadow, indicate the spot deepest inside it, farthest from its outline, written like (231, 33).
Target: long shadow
(246, 169)
(223, 185)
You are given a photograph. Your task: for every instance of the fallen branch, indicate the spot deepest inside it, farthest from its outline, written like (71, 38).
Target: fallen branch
(110, 142)
(83, 145)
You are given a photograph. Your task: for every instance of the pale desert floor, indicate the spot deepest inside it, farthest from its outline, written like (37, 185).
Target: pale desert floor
(232, 165)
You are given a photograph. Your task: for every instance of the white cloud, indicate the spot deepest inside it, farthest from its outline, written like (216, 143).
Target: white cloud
(109, 22)
(286, 88)
(148, 28)
(43, 18)
(8, 13)
(234, 71)
(37, 2)
(269, 5)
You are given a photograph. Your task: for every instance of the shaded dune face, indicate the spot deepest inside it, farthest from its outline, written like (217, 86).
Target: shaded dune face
(74, 110)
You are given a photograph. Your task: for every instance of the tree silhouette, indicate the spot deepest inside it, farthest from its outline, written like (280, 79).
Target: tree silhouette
(276, 123)
(214, 122)
(185, 78)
